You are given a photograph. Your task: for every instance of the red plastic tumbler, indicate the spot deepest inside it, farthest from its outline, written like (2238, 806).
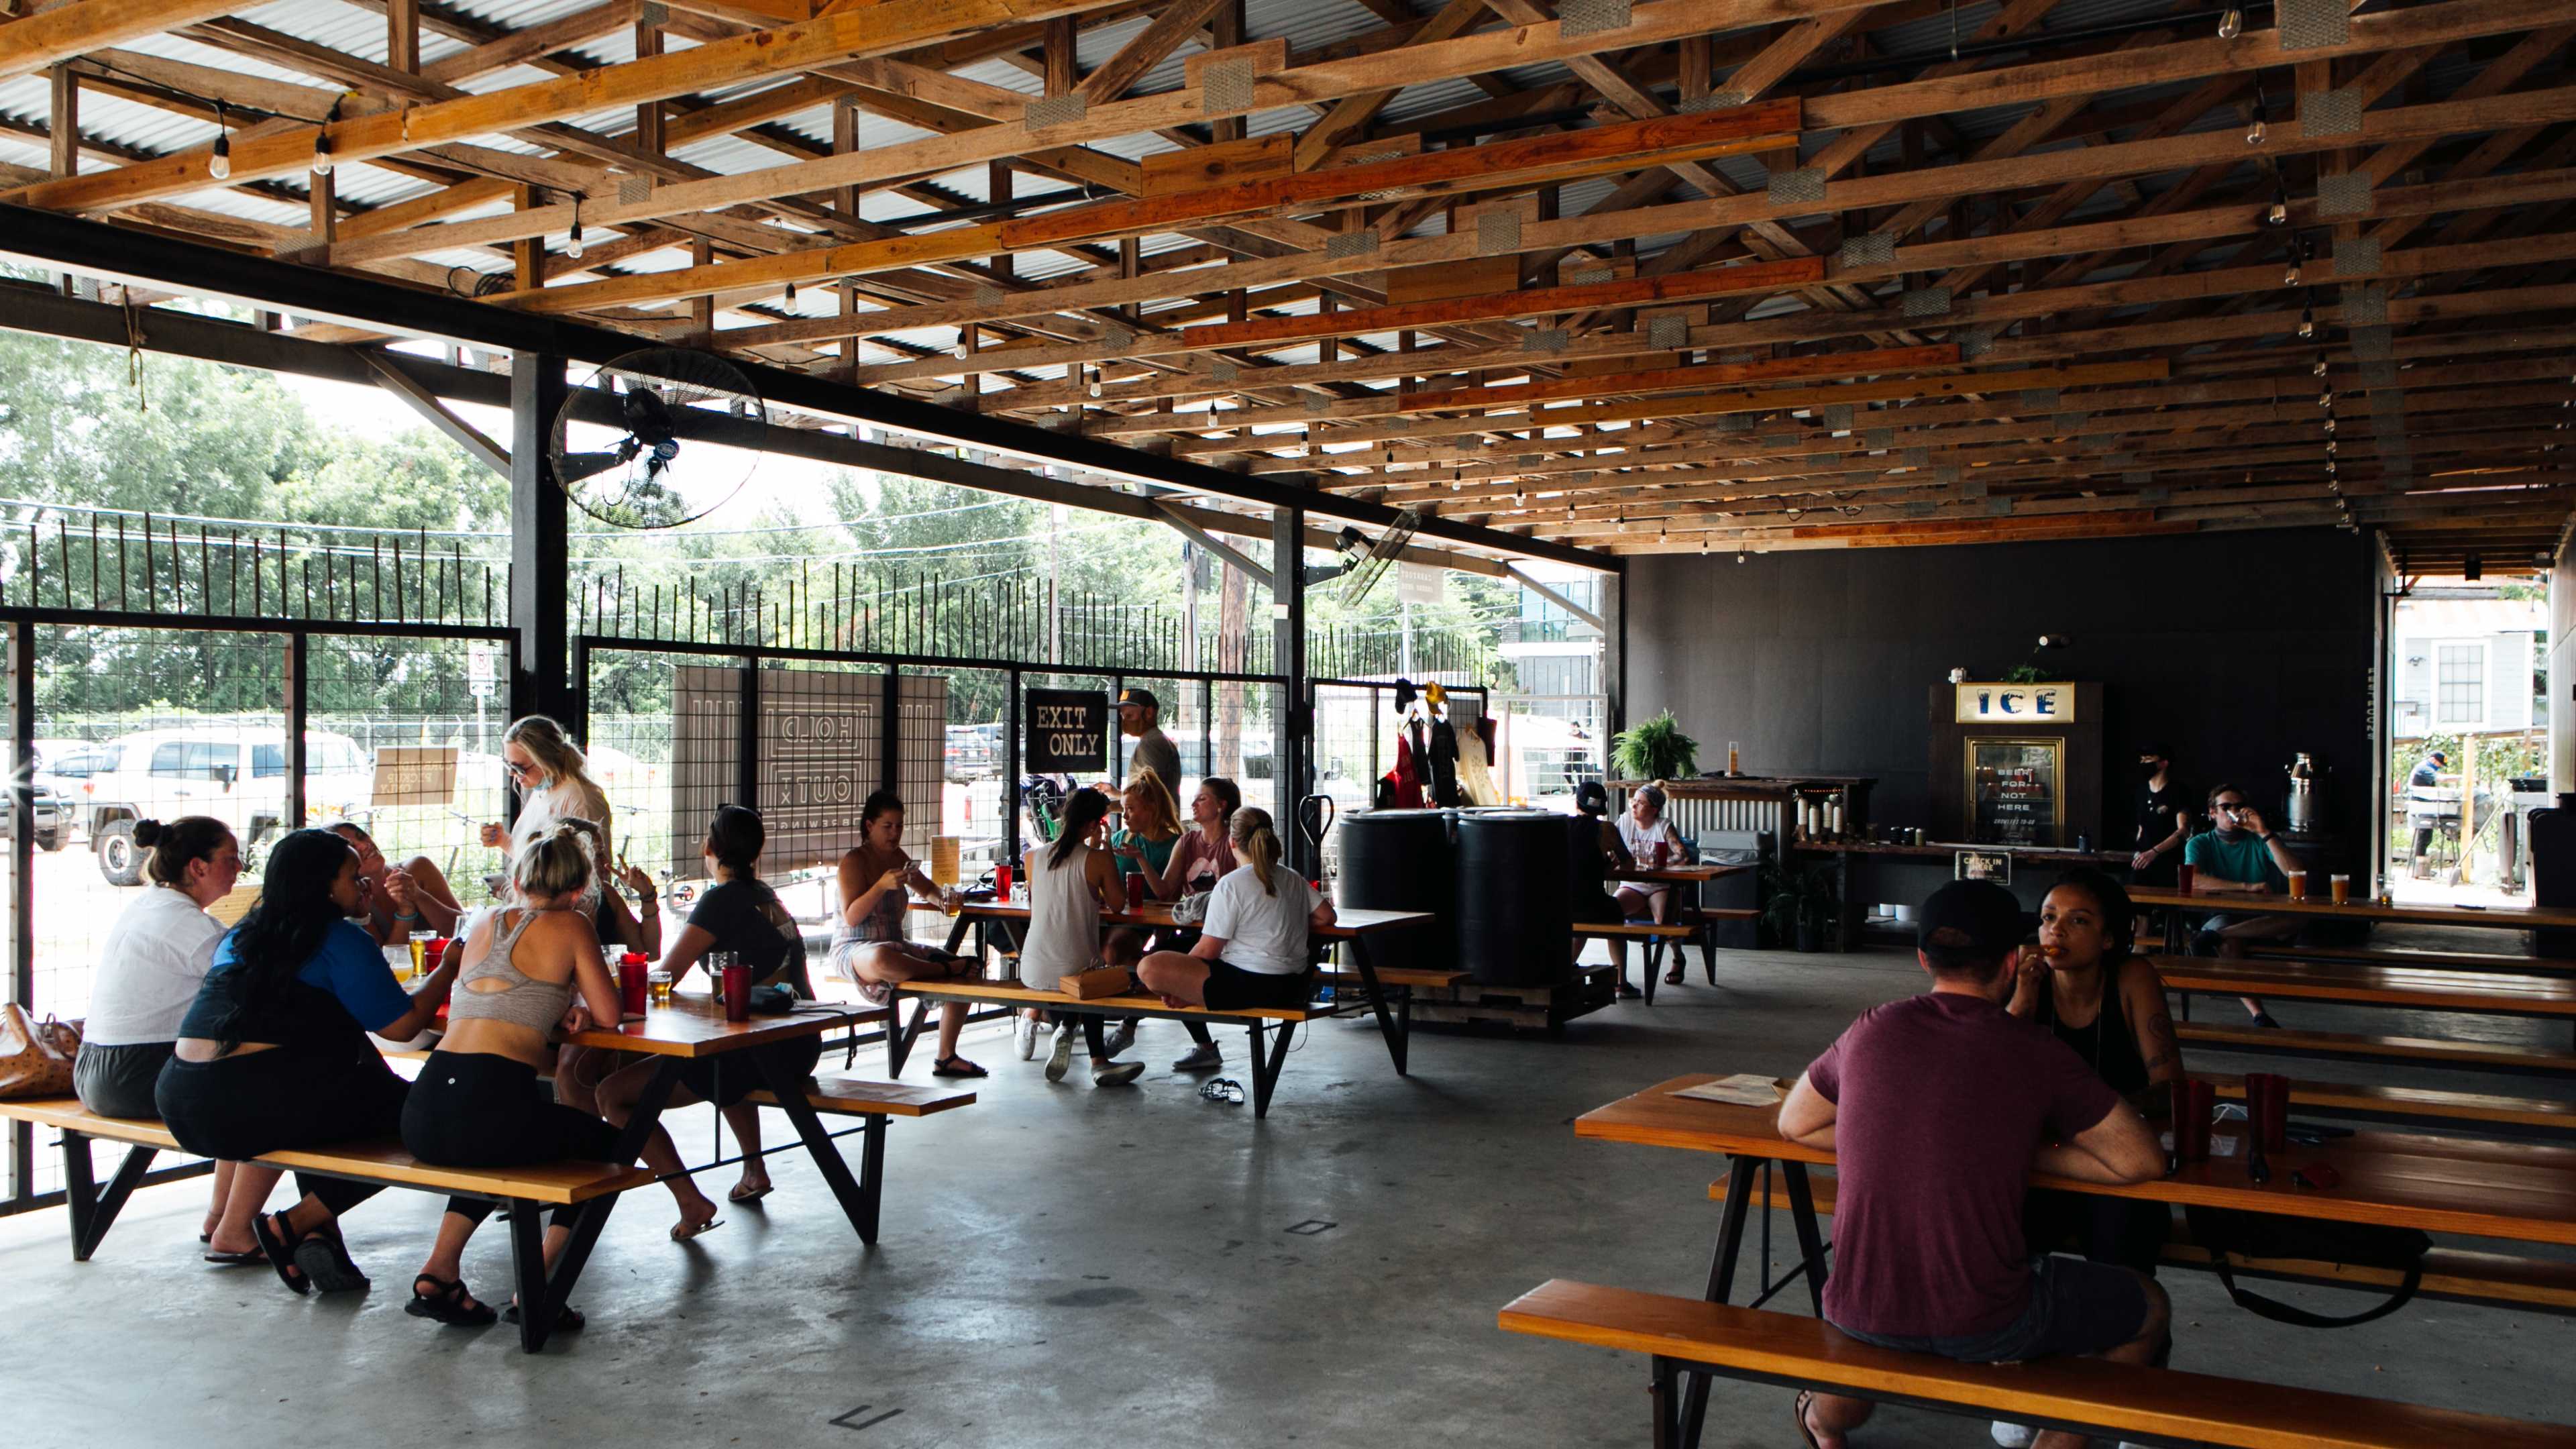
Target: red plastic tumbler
(1135, 894)
(737, 993)
(632, 988)
(2183, 875)
(2267, 1109)
(1002, 883)
(2192, 1102)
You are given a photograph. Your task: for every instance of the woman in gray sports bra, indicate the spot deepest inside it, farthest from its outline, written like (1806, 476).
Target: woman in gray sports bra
(477, 1103)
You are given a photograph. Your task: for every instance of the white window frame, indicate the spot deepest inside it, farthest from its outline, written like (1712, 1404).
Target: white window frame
(2486, 684)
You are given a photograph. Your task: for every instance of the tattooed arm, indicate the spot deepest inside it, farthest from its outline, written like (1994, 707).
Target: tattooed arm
(2142, 1001)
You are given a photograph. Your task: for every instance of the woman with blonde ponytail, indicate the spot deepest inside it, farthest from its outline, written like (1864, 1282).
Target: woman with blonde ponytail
(1252, 950)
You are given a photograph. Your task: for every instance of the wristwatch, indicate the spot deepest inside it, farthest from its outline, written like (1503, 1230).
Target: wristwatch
(2266, 837)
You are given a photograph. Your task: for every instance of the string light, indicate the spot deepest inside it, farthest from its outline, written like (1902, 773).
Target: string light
(791, 296)
(322, 141)
(2231, 24)
(220, 165)
(572, 244)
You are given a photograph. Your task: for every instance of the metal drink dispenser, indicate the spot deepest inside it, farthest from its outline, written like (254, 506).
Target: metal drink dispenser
(2303, 795)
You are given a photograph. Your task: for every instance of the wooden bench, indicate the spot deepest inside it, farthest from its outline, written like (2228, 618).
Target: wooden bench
(2415, 1050)
(2083, 1395)
(521, 1192)
(2451, 1274)
(2407, 956)
(2496, 1115)
(2353, 984)
(1278, 1023)
(1656, 934)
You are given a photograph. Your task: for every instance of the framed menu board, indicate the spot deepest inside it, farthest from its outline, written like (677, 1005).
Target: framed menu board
(2016, 790)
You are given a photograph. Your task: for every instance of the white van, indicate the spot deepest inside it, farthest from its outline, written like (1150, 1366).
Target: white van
(237, 776)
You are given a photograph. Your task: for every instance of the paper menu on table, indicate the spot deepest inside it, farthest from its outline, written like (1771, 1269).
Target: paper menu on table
(1744, 1089)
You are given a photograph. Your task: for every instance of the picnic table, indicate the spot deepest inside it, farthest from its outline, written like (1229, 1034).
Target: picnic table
(1686, 873)
(1354, 926)
(2319, 904)
(2518, 1191)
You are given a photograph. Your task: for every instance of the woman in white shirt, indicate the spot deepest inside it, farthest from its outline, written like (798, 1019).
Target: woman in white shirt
(148, 973)
(554, 786)
(1641, 829)
(1252, 948)
(1070, 883)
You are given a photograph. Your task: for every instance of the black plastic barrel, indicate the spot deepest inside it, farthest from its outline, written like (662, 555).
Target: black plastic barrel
(1402, 860)
(1514, 905)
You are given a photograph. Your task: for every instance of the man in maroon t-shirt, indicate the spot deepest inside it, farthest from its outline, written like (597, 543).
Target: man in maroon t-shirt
(1938, 1108)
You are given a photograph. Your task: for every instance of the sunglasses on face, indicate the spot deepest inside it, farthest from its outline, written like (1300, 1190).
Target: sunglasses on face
(524, 772)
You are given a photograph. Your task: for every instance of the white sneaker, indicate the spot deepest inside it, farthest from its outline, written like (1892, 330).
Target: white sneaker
(2014, 1436)
(1025, 1033)
(1060, 1060)
(1201, 1059)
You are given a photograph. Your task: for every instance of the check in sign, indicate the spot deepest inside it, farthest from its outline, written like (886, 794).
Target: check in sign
(2018, 704)
(1068, 731)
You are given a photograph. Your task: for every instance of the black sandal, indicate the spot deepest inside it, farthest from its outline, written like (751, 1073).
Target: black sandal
(326, 1262)
(956, 1067)
(448, 1304)
(568, 1319)
(277, 1242)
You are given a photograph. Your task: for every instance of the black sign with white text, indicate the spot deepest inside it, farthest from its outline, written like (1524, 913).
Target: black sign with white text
(1068, 731)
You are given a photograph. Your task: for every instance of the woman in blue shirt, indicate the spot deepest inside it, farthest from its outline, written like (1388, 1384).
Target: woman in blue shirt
(273, 1054)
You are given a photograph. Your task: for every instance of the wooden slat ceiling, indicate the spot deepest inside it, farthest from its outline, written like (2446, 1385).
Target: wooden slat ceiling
(1688, 275)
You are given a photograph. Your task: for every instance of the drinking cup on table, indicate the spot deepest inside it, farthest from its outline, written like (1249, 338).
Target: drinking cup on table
(1655, 856)
(1135, 894)
(1002, 884)
(2267, 1109)
(2341, 885)
(2298, 880)
(2192, 1103)
(737, 992)
(658, 983)
(2183, 875)
(632, 989)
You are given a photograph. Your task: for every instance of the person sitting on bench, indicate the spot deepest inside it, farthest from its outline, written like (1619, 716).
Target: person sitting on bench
(149, 971)
(273, 1053)
(870, 949)
(528, 966)
(1204, 856)
(2239, 855)
(740, 916)
(397, 903)
(1937, 1109)
(1642, 829)
(1593, 903)
(1251, 950)
(1149, 832)
(1070, 883)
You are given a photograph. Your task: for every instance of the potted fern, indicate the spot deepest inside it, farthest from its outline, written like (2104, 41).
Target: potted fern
(1654, 750)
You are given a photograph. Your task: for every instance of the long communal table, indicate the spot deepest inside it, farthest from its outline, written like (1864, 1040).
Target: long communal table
(1353, 926)
(2319, 904)
(2522, 1192)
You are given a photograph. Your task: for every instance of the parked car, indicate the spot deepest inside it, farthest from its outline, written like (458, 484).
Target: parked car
(64, 766)
(236, 775)
(53, 821)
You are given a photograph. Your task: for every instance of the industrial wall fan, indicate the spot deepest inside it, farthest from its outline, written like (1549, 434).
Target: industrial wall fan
(674, 414)
(1368, 563)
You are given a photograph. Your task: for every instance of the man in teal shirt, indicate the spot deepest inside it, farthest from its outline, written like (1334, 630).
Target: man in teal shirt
(2240, 855)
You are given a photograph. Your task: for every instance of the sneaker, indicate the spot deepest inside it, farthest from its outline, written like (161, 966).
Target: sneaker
(1628, 992)
(2264, 1020)
(1061, 1059)
(1201, 1059)
(2014, 1436)
(1120, 1039)
(1026, 1034)
(1115, 1074)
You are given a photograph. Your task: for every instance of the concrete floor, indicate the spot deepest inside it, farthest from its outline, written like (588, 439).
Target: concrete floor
(1066, 1267)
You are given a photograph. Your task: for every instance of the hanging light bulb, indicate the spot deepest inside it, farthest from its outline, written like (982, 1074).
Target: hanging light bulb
(2278, 215)
(2330, 447)
(2290, 278)
(2330, 425)
(2319, 370)
(2231, 24)
(2330, 467)
(2326, 399)
(791, 296)
(220, 165)
(1740, 555)
(2256, 133)
(322, 141)
(2307, 326)
(572, 243)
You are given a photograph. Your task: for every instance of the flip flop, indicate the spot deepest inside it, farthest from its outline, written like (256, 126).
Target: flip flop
(1799, 1409)
(682, 1232)
(279, 1252)
(236, 1260)
(753, 1196)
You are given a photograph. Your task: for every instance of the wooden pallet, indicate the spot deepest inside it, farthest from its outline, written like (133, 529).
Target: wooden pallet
(1546, 1007)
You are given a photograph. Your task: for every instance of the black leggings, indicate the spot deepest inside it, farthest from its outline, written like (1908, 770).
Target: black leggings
(237, 1107)
(480, 1109)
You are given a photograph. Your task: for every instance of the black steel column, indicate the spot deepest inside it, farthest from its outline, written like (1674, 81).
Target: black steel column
(1293, 725)
(747, 763)
(1011, 757)
(890, 770)
(22, 870)
(540, 543)
(298, 711)
(1613, 609)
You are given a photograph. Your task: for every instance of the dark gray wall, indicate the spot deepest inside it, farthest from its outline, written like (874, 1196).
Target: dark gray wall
(2236, 648)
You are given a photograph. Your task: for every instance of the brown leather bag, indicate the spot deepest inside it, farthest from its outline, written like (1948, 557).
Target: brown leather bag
(35, 1057)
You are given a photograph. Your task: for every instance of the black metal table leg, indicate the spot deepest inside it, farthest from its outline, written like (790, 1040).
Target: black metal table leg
(1647, 953)
(872, 1172)
(900, 1034)
(957, 931)
(1721, 1282)
(1659, 1393)
(93, 1209)
(1811, 1240)
(648, 1110)
(1398, 1041)
(585, 1227)
(858, 1199)
(1265, 1074)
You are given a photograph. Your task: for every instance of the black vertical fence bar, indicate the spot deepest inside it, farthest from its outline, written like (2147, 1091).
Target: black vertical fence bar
(22, 867)
(747, 763)
(890, 730)
(296, 650)
(1011, 757)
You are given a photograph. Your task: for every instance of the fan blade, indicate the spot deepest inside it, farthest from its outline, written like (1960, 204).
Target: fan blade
(571, 468)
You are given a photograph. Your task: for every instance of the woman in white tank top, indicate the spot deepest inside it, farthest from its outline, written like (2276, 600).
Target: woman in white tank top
(1071, 881)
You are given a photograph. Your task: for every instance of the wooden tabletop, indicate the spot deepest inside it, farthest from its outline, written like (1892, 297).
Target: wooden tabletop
(693, 1025)
(1346, 922)
(2522, 1191)
(2415, 987)
(2320, 903)
(1680, 874)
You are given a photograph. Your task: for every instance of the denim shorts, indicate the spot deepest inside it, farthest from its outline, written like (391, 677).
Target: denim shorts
(2076, 1308)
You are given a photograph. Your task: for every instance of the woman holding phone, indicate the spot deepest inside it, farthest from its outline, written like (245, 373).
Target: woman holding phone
(870, 948)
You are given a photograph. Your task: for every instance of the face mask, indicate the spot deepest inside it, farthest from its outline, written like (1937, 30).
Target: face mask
(2148, 770)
